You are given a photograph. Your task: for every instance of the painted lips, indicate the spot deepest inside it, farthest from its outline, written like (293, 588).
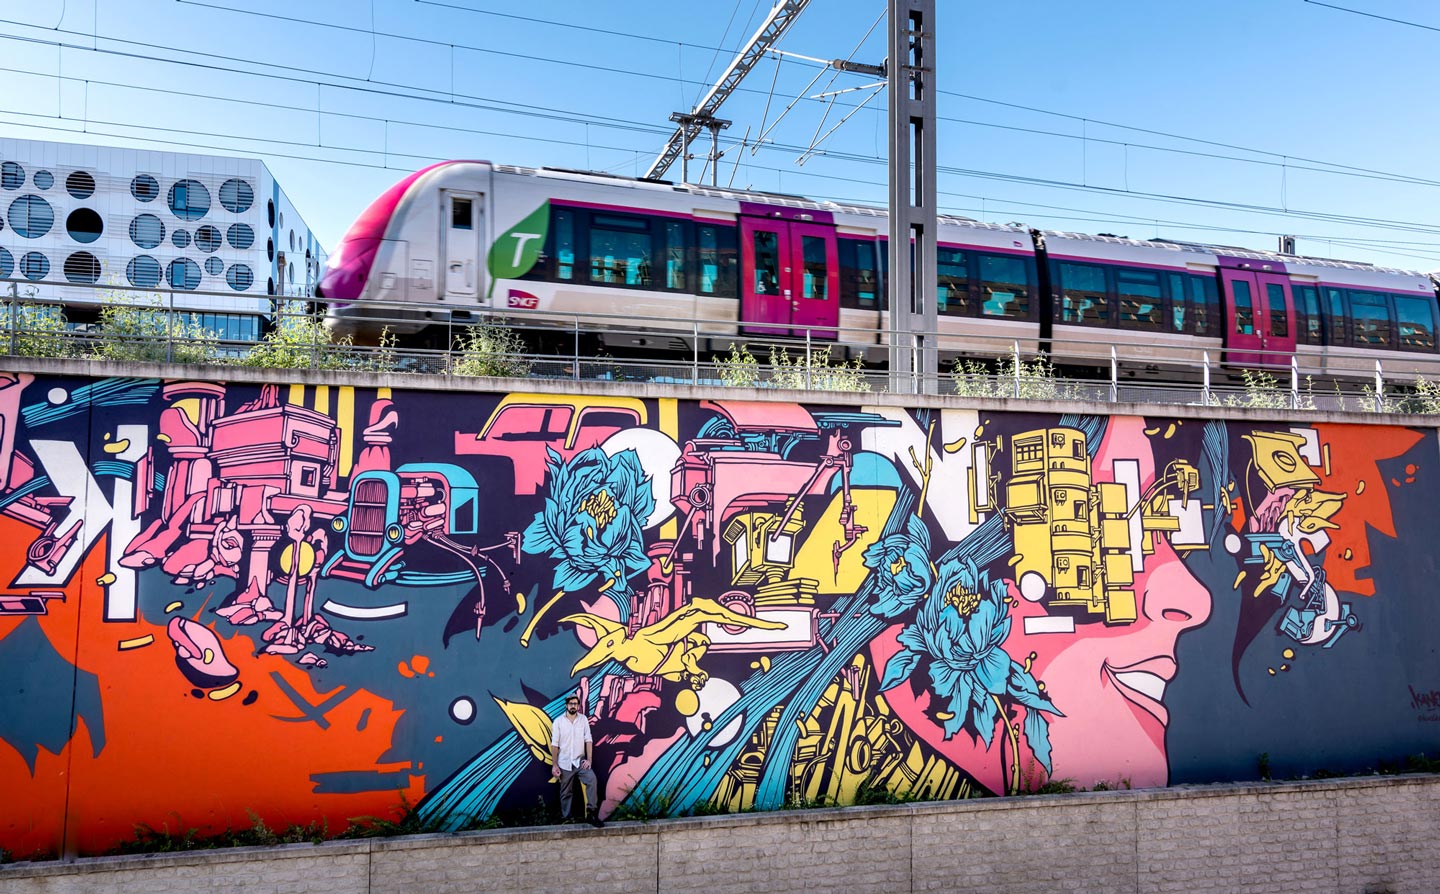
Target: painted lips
(1143, 684)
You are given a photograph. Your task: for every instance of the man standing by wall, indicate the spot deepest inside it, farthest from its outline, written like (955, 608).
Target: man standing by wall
(572, 752)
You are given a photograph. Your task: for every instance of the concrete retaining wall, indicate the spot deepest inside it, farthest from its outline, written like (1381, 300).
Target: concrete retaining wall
(1377, 836)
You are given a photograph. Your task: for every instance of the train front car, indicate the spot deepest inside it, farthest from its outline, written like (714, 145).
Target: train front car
(413, 257)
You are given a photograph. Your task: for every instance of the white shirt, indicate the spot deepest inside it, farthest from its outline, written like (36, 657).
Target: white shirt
(570, 737)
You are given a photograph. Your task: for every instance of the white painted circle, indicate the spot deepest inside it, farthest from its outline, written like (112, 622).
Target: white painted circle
(1232, 544)
(58, 396)
(1032, 586)
(658, 455)
(715, 696)
(462, 709)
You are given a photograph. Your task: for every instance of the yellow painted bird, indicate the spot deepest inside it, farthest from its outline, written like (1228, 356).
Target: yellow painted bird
(670, 648)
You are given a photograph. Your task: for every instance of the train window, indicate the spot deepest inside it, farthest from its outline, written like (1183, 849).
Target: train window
(621, 250)
(1244, 308)
(1275, 303)
(674, 254)
(1083, 298)
(460, 216)
(562, 231)
(1176, 282)
(767, 262)
(1307, 309)
(952, 290)
(1370, 313)
(1204, 305)
(1004, 287)
(717, 260)
(1141, 305)
(816, 270)
(1416, 319)
(858, 280)
(1334, 310)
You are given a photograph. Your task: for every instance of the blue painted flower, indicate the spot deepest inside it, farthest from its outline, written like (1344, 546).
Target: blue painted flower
(901, 563)
(594, 518)
(960, 629)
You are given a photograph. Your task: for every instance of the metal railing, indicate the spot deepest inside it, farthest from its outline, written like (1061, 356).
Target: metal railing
(157, 325)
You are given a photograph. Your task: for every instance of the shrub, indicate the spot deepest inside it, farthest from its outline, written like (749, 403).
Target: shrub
(33, 330)
(302, 341)
(143, 328)
(490, 349)
(813, 370)
(1012, 378)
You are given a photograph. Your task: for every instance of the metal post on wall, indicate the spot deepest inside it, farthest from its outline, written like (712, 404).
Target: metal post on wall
(1205, 388)
(577, 349)
(1294, 383)
(170, 329)
(1015, 372)
(910, 73)
(809, 358)
(1379, 388)
(1114, 376)
(14, 317)
(695, 357)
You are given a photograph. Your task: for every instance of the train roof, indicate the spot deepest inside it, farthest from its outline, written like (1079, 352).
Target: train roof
(784, 200)
(1215, 249)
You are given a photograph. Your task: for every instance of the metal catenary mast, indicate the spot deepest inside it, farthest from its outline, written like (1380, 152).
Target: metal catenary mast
(914, 328)
(702, 117)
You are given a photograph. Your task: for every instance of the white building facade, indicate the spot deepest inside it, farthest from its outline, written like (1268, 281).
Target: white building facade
(80, 223)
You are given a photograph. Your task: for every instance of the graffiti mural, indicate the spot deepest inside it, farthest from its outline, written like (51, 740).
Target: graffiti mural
(314, 602)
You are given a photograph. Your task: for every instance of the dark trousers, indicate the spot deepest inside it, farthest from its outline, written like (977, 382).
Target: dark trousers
(567, 788)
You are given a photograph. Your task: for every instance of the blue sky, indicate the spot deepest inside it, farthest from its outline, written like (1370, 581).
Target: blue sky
(339, 113)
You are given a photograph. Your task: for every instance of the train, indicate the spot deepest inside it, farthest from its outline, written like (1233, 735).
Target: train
(460, 239)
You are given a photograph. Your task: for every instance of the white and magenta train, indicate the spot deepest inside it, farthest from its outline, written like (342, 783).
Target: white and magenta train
(465, 236)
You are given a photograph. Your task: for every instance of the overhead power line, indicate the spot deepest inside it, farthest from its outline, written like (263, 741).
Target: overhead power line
(1289, 161)
(1372, 15)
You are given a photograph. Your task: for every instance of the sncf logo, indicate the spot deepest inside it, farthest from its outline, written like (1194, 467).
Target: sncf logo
(522, 300)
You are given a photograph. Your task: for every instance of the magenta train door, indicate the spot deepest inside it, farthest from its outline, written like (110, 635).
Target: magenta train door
(1259, 318)
(790, 278)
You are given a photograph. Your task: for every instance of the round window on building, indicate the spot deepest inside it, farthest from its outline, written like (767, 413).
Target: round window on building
(82, 267)
(84, 225)
(145, 188)
(44, 179)
(239, 277)
(292, 240)
(180, 239)
(31, 216)
(270, 286)
(34, 265)
(147, 231)
(12, 176)
(236, 196)
(183, 273)
(240, 236)
(270, 212)
(189, 200)
(80, 184)
(214, 266)
(291, 272)
(269, 249)
(7, 264)
(143, 272)
(207, 238)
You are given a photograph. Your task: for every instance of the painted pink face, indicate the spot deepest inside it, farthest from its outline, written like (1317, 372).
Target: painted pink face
(1110, 680)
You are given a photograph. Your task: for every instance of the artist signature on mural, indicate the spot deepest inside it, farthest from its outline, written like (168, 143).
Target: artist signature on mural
(1426, 704)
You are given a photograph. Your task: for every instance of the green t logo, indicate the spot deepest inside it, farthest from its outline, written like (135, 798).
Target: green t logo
(517, 249)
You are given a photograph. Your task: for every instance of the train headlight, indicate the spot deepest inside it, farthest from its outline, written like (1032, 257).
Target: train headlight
(338, 523)
(393, 533)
